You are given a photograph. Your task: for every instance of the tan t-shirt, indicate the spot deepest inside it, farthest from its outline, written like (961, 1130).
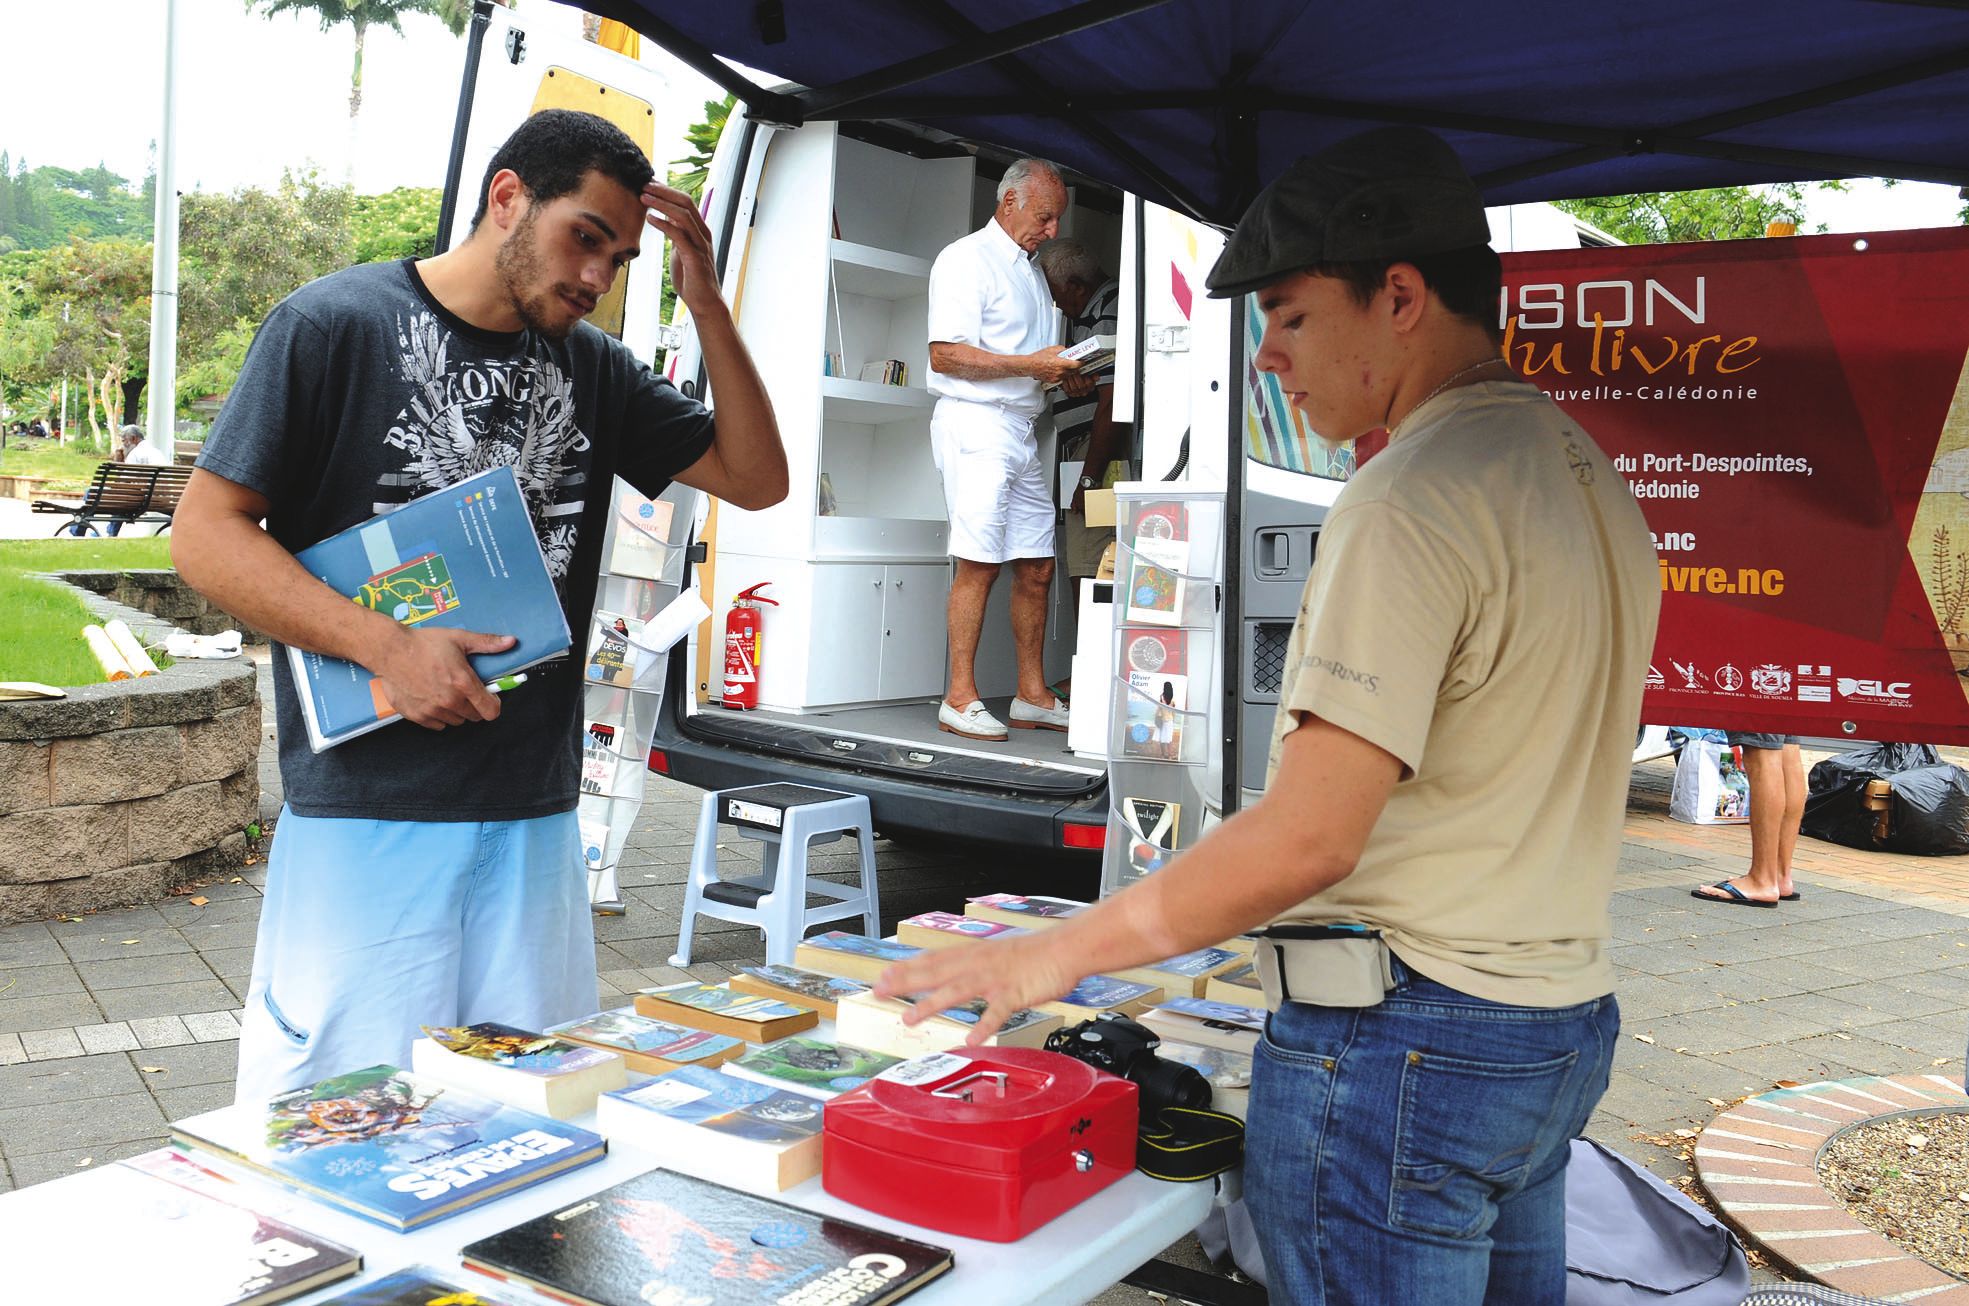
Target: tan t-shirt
(1482, 605)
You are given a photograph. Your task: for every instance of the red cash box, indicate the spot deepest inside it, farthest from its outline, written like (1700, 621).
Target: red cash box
(985, 1142)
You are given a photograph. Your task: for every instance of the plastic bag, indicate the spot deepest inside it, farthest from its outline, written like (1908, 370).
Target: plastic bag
(1630, 1239)
(1710, 786)
(1929, 810)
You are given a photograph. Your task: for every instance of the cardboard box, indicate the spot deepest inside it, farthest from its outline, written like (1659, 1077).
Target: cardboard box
(1100, 507)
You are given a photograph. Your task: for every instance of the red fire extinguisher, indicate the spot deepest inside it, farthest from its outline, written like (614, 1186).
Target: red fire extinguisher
(742, 636)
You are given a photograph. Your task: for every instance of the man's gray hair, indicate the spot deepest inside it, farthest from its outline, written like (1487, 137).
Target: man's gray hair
(130, 434)
(1019, 177)
(1067, 262)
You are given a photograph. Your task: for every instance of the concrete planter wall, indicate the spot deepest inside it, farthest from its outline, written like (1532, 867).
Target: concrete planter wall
(161, 594)
(119, 793)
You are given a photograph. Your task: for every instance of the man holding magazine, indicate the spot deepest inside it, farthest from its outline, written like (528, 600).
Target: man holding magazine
(430, 873)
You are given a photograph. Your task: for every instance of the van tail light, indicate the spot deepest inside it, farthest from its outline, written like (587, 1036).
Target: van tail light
(1083, 836)
(659, 761)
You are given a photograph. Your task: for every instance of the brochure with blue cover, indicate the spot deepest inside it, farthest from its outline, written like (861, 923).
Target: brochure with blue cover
(391, 1147)
(464, 557)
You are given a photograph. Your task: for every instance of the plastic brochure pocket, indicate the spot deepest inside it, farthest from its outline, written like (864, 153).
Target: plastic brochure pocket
(1163, 685)
(1167, 560)
(646, 538)
(1154, 813)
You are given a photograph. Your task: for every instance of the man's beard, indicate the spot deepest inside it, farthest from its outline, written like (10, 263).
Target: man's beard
(519, 266)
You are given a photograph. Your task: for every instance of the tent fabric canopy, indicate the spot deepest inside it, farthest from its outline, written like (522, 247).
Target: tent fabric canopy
(1197, 103)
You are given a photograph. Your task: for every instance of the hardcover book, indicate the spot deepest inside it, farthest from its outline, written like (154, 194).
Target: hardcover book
(465, 556)
(725, 1011)
(390, 1147)
(1186, 975)
(1033, 913)
(414, 1287)
(176, 1234)
(1098, 993)
(651, 1047)
(762, 1139)
(810, 1066)
(666, 1239)
(851, 956)
(865, 1020)
(943, 929)
(535, 1072)
(802, 988)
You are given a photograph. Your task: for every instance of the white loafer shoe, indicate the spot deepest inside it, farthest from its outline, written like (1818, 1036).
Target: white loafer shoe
(972, 723)
(1031, 716)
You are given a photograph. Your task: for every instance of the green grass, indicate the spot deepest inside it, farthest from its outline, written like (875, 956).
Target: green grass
(66, 467)
(41, 638)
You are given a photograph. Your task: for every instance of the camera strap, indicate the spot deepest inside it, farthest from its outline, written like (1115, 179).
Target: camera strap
(1184, 1144)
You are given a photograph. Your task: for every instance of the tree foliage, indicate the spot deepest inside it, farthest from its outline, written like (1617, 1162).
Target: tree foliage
(361, 15)
(81, 311)
(42, 207)
(690, 172)
(1725, 213)
(398, 224)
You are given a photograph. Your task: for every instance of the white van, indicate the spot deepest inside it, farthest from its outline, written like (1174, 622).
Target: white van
(826, 236)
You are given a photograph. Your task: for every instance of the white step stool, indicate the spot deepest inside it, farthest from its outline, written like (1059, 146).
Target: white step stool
(787, 820)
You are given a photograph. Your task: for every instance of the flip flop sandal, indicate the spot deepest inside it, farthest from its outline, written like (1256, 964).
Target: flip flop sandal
(1793, 896)
(1737, 896)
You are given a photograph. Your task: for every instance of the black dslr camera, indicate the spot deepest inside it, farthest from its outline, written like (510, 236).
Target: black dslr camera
(1124, 1047)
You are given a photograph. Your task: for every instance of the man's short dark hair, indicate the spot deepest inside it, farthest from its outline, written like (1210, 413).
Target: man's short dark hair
(555, 148)
(1466, 280)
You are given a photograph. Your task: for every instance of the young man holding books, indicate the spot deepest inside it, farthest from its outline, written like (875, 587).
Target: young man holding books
(430, 873)
(1484, 581)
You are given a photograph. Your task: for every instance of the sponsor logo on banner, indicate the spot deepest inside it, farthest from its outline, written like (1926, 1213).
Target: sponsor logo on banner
(1771, 681)
(1691, 678)
(1814, 684)
(1899, 693)
(1655, 679)
(1728, 679)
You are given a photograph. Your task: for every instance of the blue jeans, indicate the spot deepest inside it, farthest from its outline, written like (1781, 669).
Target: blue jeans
(1415, 1151)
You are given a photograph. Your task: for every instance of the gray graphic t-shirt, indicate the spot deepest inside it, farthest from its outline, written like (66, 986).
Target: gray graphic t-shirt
(360, 393)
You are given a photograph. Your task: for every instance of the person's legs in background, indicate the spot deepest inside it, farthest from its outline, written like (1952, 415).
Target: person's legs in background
(970, 589)
(1775, 770)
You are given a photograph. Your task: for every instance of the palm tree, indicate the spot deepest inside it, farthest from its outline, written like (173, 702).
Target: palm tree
(703, 140)
(361, 15)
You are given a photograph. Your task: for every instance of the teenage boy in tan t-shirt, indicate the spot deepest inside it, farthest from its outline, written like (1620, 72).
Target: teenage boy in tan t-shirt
(1449, 771)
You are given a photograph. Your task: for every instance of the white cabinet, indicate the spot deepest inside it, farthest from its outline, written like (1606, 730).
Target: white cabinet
(913, 603)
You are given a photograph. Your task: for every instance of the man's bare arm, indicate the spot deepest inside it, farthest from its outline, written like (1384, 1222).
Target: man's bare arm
(1100, 446)
(219, 547)
(969, 363)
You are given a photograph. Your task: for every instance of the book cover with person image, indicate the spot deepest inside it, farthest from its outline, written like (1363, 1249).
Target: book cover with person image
(463, 557)
(611, 661)
(1156, 692)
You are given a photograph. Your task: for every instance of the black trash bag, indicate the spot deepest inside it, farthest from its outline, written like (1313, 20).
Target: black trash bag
(1930, 813)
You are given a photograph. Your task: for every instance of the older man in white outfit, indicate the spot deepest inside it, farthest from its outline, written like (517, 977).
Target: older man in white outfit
(992, 330)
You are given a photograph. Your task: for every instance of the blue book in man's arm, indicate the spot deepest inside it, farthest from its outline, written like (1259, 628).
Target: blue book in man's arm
(464, 557)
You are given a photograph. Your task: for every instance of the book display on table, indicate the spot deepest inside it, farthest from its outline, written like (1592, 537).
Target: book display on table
(942, 929)
(810, 1066)
(725, 1011)
(175, 1234)
(1186, 975)
(463, 557)
(1098, 993)
(801, 988)
(535, 1072)
(664, 1238)
(1227, 1070)
(867, 1021)
(391, 1147)
(1031, 912)
(650, 1047)
(1238, 986)
(719, 1127)
(851, 956)
(417, 1286)
(1207, 1024)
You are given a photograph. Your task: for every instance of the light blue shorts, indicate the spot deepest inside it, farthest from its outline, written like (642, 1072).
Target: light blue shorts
(371, 929)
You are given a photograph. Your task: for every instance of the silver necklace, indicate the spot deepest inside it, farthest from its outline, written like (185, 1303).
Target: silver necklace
(1447, 382)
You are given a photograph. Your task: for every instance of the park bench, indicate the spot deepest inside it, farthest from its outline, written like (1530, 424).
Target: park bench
(123, 494)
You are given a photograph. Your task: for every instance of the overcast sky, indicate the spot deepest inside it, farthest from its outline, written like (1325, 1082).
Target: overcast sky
(85, 85)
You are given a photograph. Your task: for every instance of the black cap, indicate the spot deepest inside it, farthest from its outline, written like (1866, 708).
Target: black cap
(1390, 193)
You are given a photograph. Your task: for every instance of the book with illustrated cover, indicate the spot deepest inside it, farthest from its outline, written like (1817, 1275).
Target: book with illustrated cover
(535, 1072)
(1098, 993)
(1152, 832)
(391, 1147)
(465, 556)
(641, 546)
(1155, 690)
(810, 1066)
(715, 1126)
(650, 1047)
(1184, 976)
(177, 1233)
(611, 658)
(867, 1021)
(1209, 1024)
(415, 1287)
(1238, 986)
(668, 1239)
(943, 929)
(1031, 912)
(604, 769)
(802, 988)
(725, 1011)
(852, 956)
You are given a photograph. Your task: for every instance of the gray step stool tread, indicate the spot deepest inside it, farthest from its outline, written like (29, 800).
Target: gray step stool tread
(784, 795)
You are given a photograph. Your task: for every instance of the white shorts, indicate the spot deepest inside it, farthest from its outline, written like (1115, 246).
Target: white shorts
(994, 487)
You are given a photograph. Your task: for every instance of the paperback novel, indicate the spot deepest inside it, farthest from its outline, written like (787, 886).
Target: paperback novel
(811, 1066)
(650, 1046)
(725, 1011)
(696, 1120)
(802, 988)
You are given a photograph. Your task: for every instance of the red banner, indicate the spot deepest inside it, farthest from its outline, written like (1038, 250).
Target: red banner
(1793, 416)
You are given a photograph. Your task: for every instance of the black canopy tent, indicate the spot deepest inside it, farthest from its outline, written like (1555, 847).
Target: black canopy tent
(1196, 103)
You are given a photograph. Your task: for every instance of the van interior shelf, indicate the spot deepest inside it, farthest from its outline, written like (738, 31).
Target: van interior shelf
(878, 273)
(870, 403)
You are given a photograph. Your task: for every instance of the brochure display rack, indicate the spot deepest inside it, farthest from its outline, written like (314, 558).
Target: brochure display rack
(641, 607)
(1163, 700)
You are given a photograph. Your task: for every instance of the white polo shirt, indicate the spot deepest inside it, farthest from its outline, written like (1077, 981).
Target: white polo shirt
(987, 292)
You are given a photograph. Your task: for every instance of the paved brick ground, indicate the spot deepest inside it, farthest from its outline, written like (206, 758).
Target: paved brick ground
(114, 1024)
